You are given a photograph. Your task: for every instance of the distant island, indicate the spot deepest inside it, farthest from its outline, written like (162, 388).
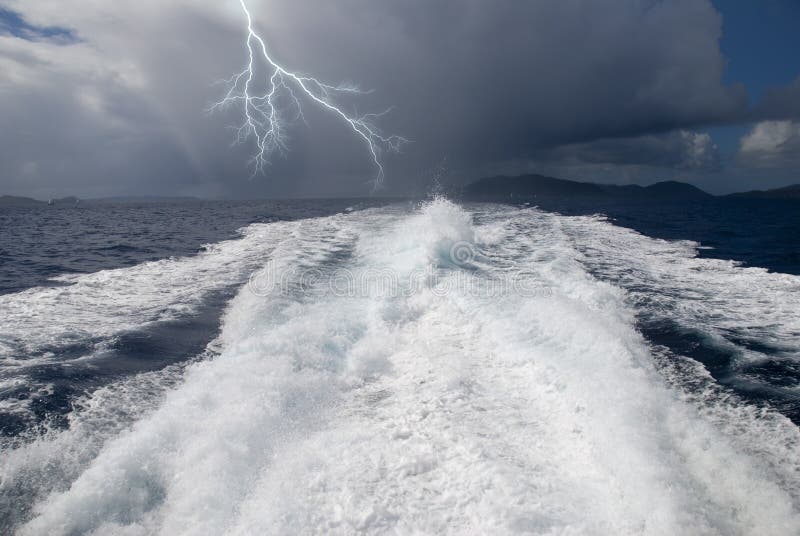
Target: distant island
(529, 187)
(520, 188)
(17, 201)
(787, 192)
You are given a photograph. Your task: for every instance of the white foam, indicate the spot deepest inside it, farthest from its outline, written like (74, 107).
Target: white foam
(435, 412)
(96, 306)
(727, 301)
(86, 315)
(31, 468)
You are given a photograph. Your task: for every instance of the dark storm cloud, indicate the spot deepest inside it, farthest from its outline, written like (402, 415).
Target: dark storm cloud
(483, 82)
(781, 102)
(489, 85)
(770, 150)
(680, 150)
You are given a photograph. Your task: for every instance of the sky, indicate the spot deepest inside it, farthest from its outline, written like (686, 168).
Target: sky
(103, 98)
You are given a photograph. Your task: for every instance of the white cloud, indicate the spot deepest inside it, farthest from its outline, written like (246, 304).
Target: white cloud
(699, 151)
(771, 144)
(681, 149)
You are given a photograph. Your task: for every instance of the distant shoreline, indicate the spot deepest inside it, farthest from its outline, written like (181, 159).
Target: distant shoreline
(498, 188)
(531, 187)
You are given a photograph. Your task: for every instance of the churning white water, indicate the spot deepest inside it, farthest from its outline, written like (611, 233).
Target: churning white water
(489, 385)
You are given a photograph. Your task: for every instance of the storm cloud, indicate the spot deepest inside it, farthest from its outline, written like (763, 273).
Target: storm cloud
(102, 98)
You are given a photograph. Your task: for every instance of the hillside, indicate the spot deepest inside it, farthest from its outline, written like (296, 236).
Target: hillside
(539, 186)
(787, 192)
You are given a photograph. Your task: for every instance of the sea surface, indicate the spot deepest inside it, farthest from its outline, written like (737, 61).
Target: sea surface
(427, 367)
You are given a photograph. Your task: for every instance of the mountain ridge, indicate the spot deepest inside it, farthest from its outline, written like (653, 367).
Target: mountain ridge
(499, 188)
(522, 187)
(786, 192)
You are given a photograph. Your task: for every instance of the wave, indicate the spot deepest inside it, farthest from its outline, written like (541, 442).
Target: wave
(93, 307)
(741, 323)
(81, 327)
(435, 408)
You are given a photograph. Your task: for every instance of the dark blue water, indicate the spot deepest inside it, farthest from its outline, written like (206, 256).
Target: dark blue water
(39, 243)
(755, 232)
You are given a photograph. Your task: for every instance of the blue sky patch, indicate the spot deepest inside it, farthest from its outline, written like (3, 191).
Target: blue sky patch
(14, 24)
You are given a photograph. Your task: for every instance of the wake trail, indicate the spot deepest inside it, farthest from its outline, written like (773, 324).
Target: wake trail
(458, 403)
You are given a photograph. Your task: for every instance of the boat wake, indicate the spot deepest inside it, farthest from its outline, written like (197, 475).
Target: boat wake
(444, 405)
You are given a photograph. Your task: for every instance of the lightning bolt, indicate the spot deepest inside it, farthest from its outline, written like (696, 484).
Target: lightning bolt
(265, 108)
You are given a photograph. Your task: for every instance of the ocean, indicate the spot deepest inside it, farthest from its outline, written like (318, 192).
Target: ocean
(379, 366)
